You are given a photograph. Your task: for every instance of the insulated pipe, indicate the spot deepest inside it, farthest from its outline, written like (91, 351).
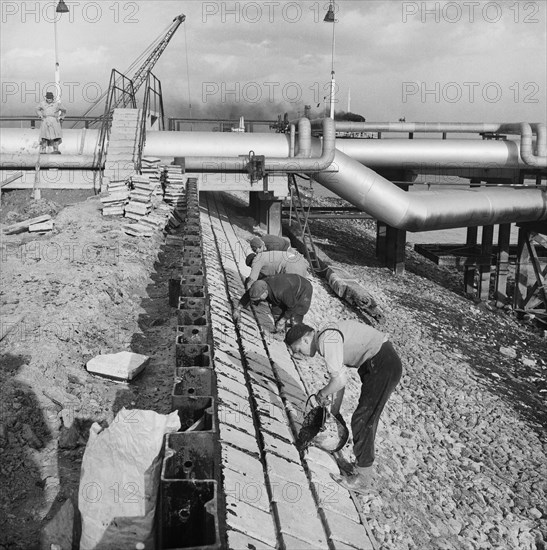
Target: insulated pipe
(65, 162)
(26, 141)
(526, 150)
(539, 160)
(271, 164)
(429, 210)
(304, 138)
(292, 134)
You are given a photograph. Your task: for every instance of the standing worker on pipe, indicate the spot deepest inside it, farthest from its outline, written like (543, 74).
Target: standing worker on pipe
(52, 113)
(350, 344)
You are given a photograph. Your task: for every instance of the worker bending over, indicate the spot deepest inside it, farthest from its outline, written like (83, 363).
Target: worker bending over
(288, 294)
(266, 264)
(350, 344)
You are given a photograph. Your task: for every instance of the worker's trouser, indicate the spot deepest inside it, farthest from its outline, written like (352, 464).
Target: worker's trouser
(296, 315)
(379, 376)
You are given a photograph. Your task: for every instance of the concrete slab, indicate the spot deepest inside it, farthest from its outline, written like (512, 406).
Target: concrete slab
(228, 371)
(246, 489)
(335, 498)
(280, 447)
(241, 541)
(294, 543)
(307, 528)
(249, 519)
(238, 438)
(227, 383)
(280, 467)
(347, 531)
(120, 366)
(242, 462)
(279, 429)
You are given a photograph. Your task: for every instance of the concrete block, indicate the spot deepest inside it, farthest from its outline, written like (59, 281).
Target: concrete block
(241, 541)
(305, 527)
(120, 366)
(238, 438)
(249, 519)
(251, 491)
(280, 447)
(347, 531)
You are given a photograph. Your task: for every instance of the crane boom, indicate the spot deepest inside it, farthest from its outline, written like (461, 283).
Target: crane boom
(140, 75)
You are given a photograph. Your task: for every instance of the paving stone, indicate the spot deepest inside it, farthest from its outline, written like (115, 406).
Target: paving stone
(283, 468)
(321, 458)
(238, 438)
(241, 541)
(258, 379)
(259, 367)
(280, 447)
(229, 356)
(268, 395)
(297, 393)
(270, 410)
(335, 498)
(306, 527)
(231, 385)
(293, 543)
(236, 402)
(247, 489)
(345, 530)
(251, 520)
(241, 462)
(228, 371)
(280, 429)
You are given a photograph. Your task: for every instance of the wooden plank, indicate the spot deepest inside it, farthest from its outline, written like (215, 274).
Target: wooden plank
(11, 179)
(24, 225)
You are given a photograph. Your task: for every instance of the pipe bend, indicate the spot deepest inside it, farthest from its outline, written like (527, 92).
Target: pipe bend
(526, 149)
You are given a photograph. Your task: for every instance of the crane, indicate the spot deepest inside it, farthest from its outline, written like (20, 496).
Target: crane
(153, 53)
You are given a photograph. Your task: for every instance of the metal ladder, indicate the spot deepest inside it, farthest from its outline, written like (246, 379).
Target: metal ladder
(301, 217)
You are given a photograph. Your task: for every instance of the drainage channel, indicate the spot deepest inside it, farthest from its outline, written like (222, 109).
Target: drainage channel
(275, 497)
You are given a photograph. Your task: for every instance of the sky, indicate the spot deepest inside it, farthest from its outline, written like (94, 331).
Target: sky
(482, 61)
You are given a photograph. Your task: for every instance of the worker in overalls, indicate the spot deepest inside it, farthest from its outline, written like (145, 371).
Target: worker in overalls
(273, 262)
(355, 345)
(269, 242)
(288, 294)
(52, 113)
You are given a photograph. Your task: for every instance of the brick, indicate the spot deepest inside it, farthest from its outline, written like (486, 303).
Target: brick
(347, 531)
(238, 438)
(279, 429)
(232, 386)
(251, 520)
(280, 447)
(293, 543)
(335, 498)
(306, 527)
(228, 371)
(240, 541)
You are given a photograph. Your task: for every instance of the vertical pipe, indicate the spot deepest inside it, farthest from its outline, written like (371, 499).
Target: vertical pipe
(502, 269)
(292, 140)
(521, 274)
(486, 263)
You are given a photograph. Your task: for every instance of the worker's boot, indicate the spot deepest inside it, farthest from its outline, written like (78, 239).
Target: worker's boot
(359, 482)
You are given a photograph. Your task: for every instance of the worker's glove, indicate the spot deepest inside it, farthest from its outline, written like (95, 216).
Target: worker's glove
(322, 400)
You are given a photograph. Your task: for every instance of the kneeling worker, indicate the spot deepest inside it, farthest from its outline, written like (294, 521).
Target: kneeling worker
(359, 346)
(266, 264)
(288, 294)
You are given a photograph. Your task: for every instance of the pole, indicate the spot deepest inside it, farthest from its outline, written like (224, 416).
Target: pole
(57, 68)
(332, 76)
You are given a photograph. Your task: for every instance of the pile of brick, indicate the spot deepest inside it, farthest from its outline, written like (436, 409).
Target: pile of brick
(172, 181)
(116, 198)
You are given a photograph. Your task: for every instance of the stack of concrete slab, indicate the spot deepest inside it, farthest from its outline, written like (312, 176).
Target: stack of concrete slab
(116, 198)
(140, 198)
(173, 183)
(150, 167)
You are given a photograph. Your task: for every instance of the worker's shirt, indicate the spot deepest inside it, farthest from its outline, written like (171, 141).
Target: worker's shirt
(273, 242)
(272, 262)
(348, 344)
(286, 291)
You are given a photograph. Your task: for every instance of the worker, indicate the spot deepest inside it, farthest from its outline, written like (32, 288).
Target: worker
(288, 294)
(52, 113)
(269, 242)
(355, 345)
(266, 264)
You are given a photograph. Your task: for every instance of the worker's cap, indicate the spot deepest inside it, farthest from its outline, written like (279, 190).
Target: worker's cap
(256, 242)
(49, 95)
(257, 289)
(295, 333)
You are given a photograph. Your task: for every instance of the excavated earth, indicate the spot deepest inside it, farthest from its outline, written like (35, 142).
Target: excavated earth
(461, 447)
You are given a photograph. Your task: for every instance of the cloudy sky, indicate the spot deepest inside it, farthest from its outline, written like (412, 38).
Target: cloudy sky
(434, 60)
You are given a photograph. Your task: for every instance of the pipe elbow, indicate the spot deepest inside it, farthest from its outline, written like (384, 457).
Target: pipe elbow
(526, 149)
